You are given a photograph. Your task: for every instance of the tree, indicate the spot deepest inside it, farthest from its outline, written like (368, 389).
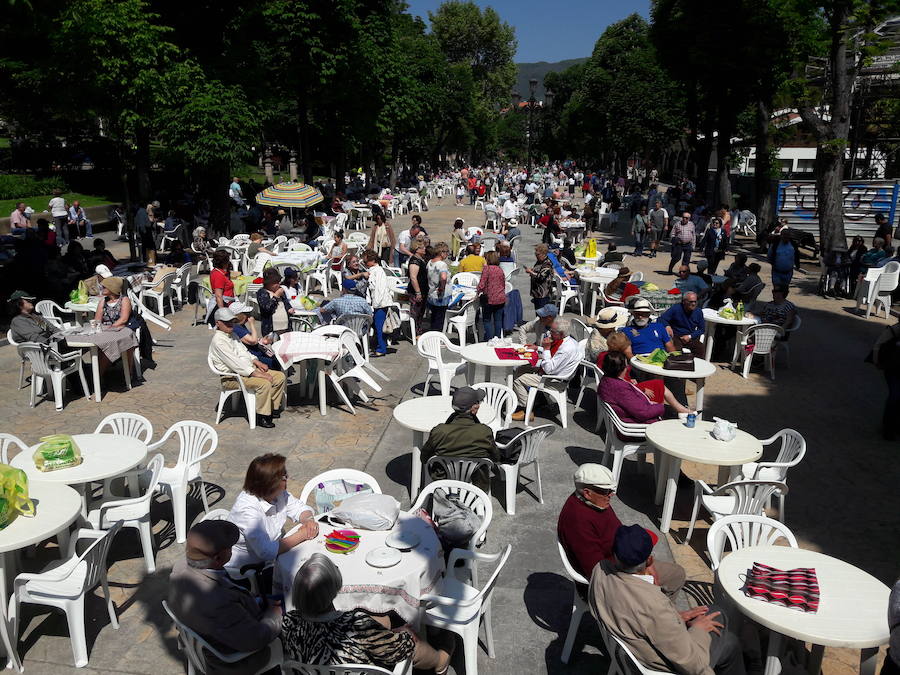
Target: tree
(824, 95)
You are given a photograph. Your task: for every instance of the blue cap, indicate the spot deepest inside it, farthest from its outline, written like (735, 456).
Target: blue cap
(349, 284)
(632, 545)
(547, 310)
(289, 272)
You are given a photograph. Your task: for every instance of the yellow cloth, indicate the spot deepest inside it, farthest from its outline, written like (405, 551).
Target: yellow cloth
(472, 263)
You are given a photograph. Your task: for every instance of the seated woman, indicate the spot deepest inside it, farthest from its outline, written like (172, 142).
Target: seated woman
(261, 511)
(338, 251)
(780, 311)
(26, 325)
(256, 246)
(750, 287)
(201, 244)
(245, 330)
(356, 273)
(292, 288)
(114, 314)
(269, 297)
(316, 633)
(634, 402)
(619, 289)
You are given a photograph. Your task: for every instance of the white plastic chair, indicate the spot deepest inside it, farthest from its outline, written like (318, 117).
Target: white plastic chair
(159, 297)
(125, 424)
(462, 320)
(293, 667)
(471, 496)
(248, 395)
(460, 469)
(792, 451)
(50, 311)
(52, 368)
(783, 345)
(469, 279)
(132, 512)
(764, 336)
(23, 360)
(350, 475)
(458, 607)
(578, 329)
(64, 584)
(741, 496)
(530, 440)
(429, 346)
(193, 438)
(557, 389)
(579, 606)
(591, 374)
(194, 647)
(877, 291)
(320, 276)
(502, 399)
(7, 442)
(361, 324)
(743, 530)
(350, 349)
(622, 661)
(205, 299)
(634, 443)
(567, 293)
(181, 282)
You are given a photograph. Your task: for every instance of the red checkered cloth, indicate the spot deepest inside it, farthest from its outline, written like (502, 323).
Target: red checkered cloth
(510, 354)
(797, 589)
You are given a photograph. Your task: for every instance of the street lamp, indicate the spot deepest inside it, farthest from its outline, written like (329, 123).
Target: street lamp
(531, 103)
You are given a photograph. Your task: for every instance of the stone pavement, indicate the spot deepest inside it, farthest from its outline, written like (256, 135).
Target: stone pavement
(828, 395)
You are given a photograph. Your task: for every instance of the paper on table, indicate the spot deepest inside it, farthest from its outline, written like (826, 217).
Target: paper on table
(510, 354)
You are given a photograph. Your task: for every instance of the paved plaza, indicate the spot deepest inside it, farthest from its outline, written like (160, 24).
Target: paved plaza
(843, 497)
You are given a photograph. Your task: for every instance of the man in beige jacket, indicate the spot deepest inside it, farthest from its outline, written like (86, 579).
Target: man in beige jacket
(624, 599)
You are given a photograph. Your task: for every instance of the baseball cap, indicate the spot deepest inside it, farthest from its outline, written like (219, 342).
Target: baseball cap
(465, 397)
(641, 305)
(240, 308)
(224, 314)
(18, 295)
(213, 536)
(103, 271)
(609, 318)
(289, 272)
(596, 475)
(349, 284)
(547, 310)
(632, 545)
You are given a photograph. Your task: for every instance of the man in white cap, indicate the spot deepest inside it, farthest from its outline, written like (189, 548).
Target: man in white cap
(230, 355)
(92, 283)
(608, 320)
(587, 528)
(646, 335)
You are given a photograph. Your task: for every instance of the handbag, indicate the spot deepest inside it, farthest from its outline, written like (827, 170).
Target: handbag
(679, 362)
(456, 522)
(367, 511)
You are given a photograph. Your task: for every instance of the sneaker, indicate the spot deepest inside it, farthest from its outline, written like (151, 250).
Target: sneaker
(519, 416)
(265, 422)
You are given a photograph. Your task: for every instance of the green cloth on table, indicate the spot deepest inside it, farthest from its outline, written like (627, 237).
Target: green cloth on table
(661, 300)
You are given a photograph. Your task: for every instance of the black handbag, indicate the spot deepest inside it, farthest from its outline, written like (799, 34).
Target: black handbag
(679, 362)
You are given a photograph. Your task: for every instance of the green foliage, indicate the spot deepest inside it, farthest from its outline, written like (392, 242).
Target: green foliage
(14, 186)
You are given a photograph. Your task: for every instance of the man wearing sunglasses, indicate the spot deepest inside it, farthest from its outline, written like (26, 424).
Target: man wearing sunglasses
(587, 528)
(687, 324)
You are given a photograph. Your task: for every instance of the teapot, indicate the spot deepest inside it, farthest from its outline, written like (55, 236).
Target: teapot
(724, 430)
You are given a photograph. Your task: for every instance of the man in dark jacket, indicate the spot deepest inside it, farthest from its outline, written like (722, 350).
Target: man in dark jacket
(462, 435)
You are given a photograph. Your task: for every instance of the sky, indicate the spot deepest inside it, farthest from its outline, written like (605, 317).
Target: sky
(552, 31)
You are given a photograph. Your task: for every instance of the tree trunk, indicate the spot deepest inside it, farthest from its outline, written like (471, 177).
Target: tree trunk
(395, 161)
(129, 214)
(830, 197)
(765, 205)
(303, 138)
(340, 168)
(143, 164)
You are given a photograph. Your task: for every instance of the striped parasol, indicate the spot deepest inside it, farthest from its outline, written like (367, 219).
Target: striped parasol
(289, 195)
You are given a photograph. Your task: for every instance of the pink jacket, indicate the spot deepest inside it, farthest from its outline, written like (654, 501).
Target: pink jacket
(493, 284)
(629, 402)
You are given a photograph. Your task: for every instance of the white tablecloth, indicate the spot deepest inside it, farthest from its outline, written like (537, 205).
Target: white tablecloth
(373, 589)
(296, 344)
(298, 258)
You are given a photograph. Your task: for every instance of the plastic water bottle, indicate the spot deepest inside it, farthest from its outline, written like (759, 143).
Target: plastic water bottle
(323, 504)
(740, 311)
(691, 420)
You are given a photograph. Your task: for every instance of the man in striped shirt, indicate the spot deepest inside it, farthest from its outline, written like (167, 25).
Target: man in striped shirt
(683, 238)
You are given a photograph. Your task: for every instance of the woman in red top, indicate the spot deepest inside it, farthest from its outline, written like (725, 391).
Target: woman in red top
(492, 288)
(220, 279)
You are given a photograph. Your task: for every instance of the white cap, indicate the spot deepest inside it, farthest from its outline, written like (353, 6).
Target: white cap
(103, 271)
(240, 308)
(596, 475)
(224, 314)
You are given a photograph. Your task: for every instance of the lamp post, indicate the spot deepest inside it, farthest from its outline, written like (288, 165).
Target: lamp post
(531, 103)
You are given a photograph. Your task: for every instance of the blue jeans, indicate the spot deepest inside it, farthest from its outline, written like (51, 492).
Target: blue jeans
(438, 312)
(639, 244)
(540, 302)
(378, 322)
(682, 251)
(492, 317)
(399, 258)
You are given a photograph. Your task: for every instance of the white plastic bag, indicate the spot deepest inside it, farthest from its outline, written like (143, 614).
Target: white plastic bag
(369, 512)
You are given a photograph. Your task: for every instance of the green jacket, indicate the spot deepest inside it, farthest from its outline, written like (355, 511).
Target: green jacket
(461, 436)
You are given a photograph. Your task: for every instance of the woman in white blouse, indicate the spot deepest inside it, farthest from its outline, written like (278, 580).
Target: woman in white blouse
(260, 512)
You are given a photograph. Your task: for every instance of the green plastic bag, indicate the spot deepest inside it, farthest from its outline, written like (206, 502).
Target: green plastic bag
(79, 295)
(655, 358)
(13, 495)
(57, 452)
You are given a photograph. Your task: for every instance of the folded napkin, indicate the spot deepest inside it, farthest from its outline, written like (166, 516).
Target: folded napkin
(510, 354)
(797, 588)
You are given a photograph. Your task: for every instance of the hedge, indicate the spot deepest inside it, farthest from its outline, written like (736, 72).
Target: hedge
(21, 187)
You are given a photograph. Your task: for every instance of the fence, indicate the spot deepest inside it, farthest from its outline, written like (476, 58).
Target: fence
(862, 200)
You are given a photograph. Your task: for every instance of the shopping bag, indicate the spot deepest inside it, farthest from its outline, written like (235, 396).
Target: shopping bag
(13, 495)
(57, 452)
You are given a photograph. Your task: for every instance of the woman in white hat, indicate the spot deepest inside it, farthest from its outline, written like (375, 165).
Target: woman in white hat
(608, 320)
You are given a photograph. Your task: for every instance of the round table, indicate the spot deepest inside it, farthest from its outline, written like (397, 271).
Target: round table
(484, 354)
(852, 609)
(421, 415)
(677, 442)
(56, 506)
(375, 590)
(702, 370)
(81, 309)
(103, 456)
(712, 318)
(598, 279)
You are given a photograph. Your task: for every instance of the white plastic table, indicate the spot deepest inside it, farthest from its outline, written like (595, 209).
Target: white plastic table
(373, 589)
(483, 354)
(421, 415)
(56, 506)
(298, 258)
(94, 350)
(712, 318)
(852, 609)
(318, 350)
(80, 309)
(702, 370)
(594, 282)
(103, 456)
(677, 443)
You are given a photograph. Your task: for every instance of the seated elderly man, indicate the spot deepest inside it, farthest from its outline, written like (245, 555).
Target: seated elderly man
(687, 282)
(694, 642)
(230, 355)
(646, 335)
(348, 302)
(587, 527)
(462, 435)
(532, 332)
(474, 261)
(606, 323)
(686, 323)
(206, 600)
(559, 356)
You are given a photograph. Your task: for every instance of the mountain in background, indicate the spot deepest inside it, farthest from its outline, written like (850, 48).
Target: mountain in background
(538, 70)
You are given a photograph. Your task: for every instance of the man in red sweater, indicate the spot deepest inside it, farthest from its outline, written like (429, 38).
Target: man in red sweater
(587, 528)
